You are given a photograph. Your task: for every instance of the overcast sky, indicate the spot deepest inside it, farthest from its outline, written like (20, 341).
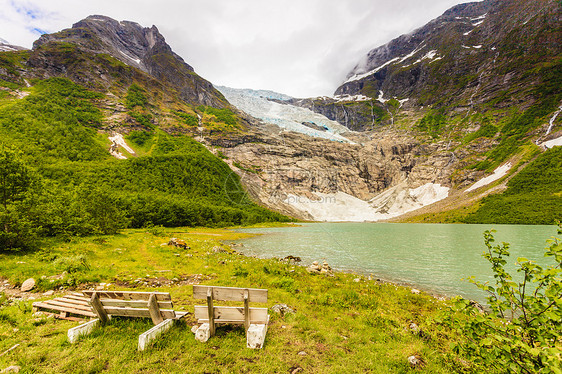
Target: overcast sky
(303, 48)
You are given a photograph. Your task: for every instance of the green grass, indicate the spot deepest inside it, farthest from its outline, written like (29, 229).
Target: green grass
(342, 325)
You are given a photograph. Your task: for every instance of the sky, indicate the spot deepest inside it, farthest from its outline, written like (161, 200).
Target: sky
(303, 48)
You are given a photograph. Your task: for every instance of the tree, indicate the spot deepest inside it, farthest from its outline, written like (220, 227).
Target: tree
(15, 178)
(16, 231)
(523, 331)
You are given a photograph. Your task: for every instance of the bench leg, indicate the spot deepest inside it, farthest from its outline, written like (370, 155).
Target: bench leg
(255, 336)
(203, 333)
(83, 329)
(146, 337)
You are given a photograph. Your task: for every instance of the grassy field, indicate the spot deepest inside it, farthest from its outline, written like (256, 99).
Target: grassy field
(342, 324)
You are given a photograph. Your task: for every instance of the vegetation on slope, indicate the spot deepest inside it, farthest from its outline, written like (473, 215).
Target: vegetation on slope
(76, 188)
(534, 196)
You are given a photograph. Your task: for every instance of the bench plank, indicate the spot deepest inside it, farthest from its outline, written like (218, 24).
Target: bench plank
(256, 295)
(49, 306)
(231, 314)
(135, 303)
(67, 304)
(148, 336)
(130, 295)
(137, 312)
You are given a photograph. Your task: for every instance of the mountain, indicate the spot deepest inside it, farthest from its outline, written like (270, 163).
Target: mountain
(142, 48)
(475, 94)
(467, 57)
(104, 98)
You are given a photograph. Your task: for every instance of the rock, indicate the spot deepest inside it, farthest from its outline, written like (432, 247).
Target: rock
(415, 329)
(302, 353)
(296, 370)
(292, 259)
(194, 328)
(415, 291)
(28, 285)
(178, 243)
(416, 361)
(282, 309)
(49, 293)
(357, 280)
(217, 249)
(477, 306)
(11, 369)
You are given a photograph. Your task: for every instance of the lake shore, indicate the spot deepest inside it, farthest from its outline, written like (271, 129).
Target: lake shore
(339, 323)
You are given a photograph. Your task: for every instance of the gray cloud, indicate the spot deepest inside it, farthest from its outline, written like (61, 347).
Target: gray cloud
(300, 47)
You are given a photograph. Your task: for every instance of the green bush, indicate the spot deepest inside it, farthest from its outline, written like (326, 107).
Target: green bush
(136, 97)
(523, 331)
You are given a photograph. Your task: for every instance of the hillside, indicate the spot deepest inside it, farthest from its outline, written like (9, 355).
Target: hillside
(104, 143)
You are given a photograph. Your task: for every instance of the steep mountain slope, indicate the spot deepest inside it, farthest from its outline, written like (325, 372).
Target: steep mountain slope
(467, 57)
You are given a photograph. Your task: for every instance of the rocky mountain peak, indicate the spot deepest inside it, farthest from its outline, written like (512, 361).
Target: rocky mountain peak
(143, 48)
(127, 41)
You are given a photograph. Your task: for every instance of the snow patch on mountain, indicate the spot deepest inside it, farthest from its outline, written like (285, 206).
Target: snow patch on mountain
(553, 143)
(357, 77)
(500, 172)
(342, 207)
(286, 116)
(117, 141)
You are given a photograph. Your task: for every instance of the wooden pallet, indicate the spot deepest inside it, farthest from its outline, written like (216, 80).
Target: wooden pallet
(68, 306)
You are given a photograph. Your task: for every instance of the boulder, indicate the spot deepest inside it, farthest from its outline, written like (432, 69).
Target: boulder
(28, 285)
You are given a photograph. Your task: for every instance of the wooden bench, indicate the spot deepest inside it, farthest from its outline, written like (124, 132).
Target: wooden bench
(255, 320)
(105, 304)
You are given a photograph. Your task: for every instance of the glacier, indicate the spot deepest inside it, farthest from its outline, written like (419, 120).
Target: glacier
(259, 104)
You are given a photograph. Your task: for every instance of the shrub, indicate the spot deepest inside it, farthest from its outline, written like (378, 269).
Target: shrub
(523, 331)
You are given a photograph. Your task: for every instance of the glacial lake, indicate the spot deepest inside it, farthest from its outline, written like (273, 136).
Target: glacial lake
(431, 257)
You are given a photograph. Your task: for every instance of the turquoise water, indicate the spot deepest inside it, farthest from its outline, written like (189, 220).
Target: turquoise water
(431, 257)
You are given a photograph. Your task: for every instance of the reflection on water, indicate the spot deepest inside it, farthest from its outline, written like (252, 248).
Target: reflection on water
(433, 257)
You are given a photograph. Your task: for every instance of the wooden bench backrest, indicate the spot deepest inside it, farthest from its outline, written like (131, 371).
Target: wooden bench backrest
(230, 314)
(255, 295)
(212, 314)
(155, 305)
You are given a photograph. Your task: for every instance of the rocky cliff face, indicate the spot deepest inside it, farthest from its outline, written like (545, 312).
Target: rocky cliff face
(319, 179)
(140, 47)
